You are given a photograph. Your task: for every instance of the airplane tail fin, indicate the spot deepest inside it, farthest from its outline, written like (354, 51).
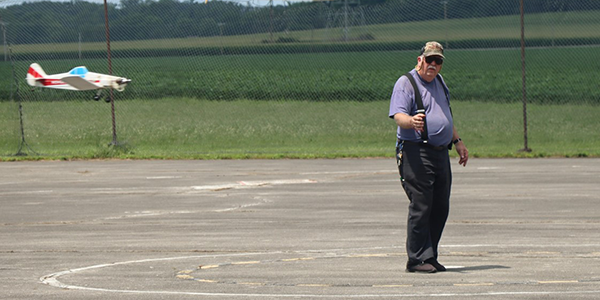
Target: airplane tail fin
(35, 72)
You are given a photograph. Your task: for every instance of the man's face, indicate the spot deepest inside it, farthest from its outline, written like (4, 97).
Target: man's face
(430, 66)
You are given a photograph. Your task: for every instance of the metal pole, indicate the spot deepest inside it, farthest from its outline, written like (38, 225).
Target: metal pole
(523, 77)
(112, 101)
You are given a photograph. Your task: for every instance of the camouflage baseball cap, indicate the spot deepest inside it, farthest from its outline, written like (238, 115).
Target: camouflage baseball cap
(432, 48)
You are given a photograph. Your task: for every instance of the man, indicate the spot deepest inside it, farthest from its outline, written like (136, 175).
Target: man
(422, 153)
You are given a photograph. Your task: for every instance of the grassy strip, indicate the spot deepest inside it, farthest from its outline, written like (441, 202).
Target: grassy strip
(286, 129)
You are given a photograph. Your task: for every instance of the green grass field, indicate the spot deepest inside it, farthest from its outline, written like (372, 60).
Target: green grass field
(490, 75)
(313, 104)
(291, 129)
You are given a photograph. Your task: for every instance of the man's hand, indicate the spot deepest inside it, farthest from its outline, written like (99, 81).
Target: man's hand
(463, 153)
(417, 122)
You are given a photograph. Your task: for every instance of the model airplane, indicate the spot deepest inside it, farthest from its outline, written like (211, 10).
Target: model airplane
(78, 79)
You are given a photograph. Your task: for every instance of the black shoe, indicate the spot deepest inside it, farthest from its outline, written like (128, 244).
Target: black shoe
(436, 264)
(421, 268)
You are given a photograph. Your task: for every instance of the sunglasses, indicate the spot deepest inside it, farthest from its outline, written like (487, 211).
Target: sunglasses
(438, 60)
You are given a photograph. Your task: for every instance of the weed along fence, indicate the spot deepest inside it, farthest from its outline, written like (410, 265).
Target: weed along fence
(228, 79)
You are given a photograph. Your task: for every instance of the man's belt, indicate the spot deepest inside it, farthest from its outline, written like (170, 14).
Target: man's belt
(426, 145)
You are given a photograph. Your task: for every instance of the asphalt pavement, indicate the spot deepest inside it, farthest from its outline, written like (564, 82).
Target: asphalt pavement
(292, 229)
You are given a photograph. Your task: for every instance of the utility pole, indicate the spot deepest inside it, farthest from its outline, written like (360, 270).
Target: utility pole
(346, 25)
(271, 21)
(221, 24)
(445, 3)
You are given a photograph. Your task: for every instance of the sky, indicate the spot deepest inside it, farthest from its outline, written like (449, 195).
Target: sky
(4, 3)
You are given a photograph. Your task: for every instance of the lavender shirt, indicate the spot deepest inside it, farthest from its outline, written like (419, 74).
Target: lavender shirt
(437, 109)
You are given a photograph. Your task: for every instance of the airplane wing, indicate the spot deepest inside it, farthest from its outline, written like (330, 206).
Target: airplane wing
(80, 83)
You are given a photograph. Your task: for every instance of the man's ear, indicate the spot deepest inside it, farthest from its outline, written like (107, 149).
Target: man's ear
(419, 62)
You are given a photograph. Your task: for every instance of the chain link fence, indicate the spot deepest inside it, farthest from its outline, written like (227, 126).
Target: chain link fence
(224, 79)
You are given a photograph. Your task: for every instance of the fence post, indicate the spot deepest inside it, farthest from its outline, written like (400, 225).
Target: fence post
(112, 100)
(523, 78)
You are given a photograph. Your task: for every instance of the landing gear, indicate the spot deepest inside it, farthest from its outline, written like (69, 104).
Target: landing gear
(98, 95)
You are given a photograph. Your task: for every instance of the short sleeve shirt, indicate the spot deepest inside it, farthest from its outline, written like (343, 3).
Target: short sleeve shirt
(437, 109)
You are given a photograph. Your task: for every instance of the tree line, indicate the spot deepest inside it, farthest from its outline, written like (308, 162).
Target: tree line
(64, 22)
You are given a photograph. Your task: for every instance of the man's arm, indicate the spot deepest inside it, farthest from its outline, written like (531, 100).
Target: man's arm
(405, 121)
(461, 149)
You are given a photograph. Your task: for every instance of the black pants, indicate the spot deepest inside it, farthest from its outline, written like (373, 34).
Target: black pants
(426, 179)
